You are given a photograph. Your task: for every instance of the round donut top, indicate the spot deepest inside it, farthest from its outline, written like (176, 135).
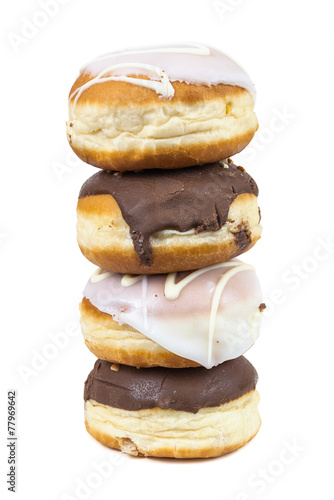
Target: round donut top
(208, 315)
(182, 389)
(190, 63)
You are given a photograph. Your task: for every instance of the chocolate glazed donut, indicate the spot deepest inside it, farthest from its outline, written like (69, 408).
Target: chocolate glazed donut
(180, 413)
(196, 199)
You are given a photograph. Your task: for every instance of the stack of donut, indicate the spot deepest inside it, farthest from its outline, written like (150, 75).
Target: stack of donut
(170, 311)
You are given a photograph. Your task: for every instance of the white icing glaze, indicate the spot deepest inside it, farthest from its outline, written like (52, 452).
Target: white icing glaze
(190, 63)
(194, 48)
(208, 316)
(173, 290)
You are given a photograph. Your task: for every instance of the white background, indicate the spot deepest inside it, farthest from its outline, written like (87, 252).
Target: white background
(285, 46)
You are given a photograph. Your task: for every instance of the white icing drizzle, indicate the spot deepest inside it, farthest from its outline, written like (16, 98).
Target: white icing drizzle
(162, 87)
(144, 304)
(173, 290)
(130, 279)
(216, 300)
(99, 275)
(127, 279)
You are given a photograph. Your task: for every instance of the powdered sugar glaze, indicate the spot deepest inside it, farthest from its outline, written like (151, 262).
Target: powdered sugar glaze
(191, 63)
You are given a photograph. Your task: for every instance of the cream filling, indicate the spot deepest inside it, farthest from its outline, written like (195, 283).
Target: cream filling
(92, 234)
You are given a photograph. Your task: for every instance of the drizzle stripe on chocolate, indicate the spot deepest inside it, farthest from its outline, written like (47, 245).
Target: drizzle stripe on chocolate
(188, 198)
(183, 389)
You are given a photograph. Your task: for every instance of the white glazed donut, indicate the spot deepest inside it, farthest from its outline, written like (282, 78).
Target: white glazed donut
(178, 320)
(160, 107)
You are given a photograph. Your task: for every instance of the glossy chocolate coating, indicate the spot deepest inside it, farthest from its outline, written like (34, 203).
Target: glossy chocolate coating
(188, 198)
(183, 389)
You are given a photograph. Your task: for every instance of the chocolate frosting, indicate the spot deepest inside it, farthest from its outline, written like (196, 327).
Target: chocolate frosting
(188, 198)
(183, 389)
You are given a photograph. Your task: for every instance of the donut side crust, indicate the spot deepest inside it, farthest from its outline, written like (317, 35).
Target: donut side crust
(166, 156)
(104, 238)
(123, 344)
(120, 126)
(212, 432)
(116, 93)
